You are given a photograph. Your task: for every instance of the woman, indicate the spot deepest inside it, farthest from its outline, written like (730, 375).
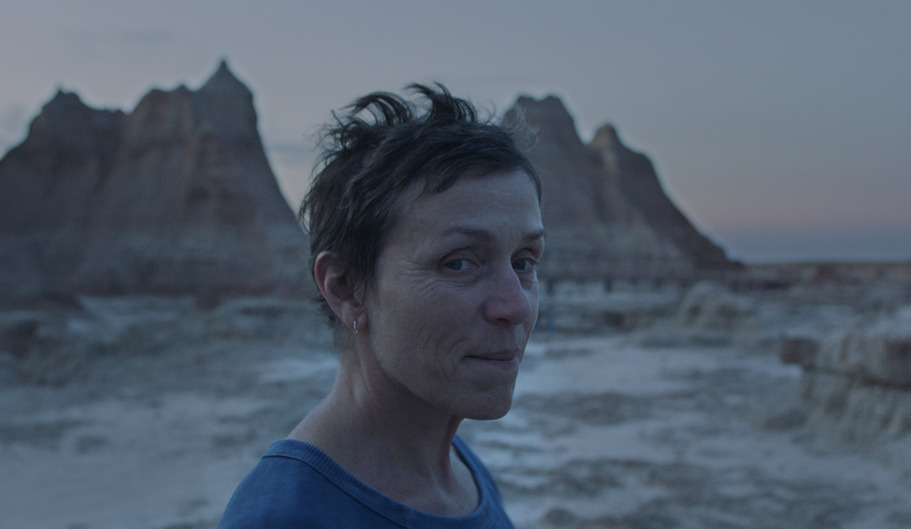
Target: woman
(425, 231)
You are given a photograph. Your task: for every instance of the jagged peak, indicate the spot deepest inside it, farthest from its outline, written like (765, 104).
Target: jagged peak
(550, 109)
(63, 99)
(550, 102)
(548, 116)
(224, 80)
(64, 104)
(606, 138)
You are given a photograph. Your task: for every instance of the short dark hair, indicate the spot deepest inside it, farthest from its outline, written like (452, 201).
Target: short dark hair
(383, 146)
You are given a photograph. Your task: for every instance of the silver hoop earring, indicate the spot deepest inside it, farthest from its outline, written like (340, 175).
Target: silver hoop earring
(355, 327)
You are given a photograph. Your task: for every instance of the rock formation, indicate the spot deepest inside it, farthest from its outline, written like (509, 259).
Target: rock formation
(858, 378)
(605, 211)
(174, 197)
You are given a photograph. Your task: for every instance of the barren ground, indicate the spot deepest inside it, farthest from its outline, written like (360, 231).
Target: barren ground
(152, 420)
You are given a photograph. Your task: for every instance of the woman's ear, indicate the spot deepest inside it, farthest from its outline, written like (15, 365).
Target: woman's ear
(336, 284)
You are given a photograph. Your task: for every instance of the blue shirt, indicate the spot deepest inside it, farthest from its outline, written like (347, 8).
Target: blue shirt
(297, 485)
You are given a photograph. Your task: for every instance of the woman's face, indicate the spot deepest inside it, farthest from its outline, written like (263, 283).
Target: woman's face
(455, 296)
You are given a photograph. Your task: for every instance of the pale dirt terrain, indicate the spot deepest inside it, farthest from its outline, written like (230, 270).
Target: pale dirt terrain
(146, 413)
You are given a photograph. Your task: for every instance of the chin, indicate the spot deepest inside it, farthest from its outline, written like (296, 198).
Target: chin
(491, 409)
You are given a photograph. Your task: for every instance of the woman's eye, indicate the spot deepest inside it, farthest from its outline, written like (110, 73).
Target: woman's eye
(523, 265)
(456, 265)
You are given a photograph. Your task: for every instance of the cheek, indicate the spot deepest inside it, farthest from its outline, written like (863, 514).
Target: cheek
(533, 298)
(429, 323)
(436, 323)
(424, 302)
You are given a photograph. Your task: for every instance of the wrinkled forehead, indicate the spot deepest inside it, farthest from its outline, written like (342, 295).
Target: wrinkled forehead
(509, 197)
(434, 186)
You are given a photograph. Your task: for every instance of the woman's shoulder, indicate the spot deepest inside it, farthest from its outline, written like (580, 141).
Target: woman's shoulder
(296, 484)
(281, 490)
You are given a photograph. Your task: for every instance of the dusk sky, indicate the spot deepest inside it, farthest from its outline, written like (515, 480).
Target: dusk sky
(781, 129)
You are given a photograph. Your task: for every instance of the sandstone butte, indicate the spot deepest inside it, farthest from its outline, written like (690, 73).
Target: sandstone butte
(177, 197)
(606, 214)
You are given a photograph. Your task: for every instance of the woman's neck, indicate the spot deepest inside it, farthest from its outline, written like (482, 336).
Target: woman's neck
(394, 445)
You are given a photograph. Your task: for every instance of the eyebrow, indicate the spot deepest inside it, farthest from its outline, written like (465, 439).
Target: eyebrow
(485, 235)
(535, 235)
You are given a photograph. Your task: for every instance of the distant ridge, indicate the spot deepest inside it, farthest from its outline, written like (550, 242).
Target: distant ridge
(605, 211)
(176, 197)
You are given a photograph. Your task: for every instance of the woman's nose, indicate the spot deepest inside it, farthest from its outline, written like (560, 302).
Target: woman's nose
(509, 300)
